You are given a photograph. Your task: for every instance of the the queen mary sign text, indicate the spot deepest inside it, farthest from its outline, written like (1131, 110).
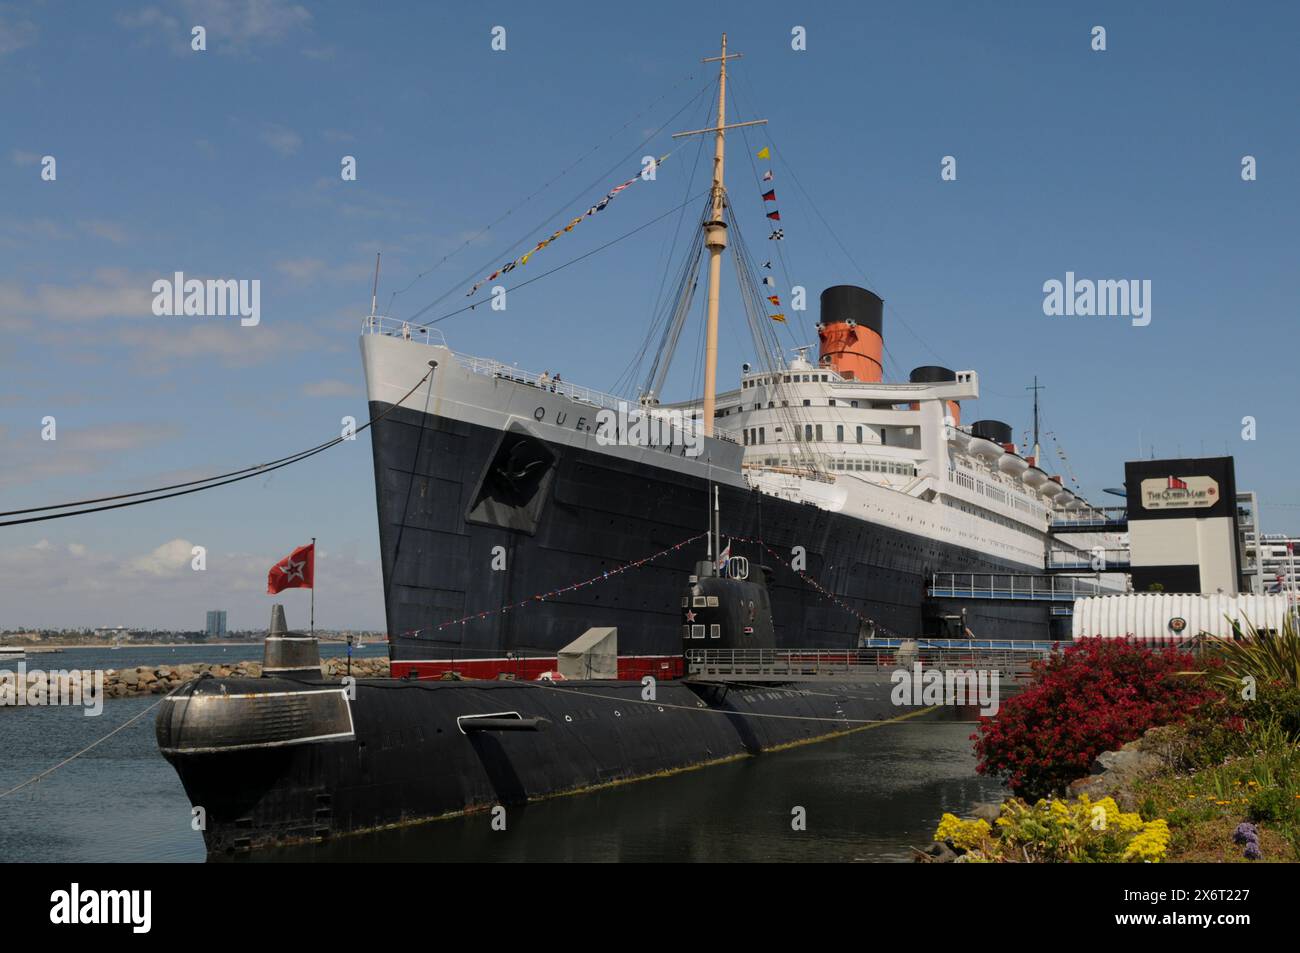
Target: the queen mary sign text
(1179, 493)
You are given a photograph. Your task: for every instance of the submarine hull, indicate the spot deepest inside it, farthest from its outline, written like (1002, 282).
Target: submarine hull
(276, 762)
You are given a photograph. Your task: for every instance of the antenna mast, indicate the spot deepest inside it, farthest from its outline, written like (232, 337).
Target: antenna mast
(1036, 389)
(715, 230)
(374, 292)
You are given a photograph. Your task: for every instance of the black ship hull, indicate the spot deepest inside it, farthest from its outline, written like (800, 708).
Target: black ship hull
(447, 509)
(276, 761)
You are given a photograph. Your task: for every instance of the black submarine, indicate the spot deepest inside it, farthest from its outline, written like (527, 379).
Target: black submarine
(293, 757)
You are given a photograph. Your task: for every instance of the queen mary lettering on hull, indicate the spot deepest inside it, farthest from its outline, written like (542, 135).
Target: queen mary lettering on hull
(851, 490)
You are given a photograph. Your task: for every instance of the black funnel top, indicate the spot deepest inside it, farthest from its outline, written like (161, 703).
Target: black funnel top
(931, 374)
(842, 302)
(994, 430)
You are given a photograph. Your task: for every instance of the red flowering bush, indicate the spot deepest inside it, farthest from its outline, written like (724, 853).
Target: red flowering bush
(1095, 696)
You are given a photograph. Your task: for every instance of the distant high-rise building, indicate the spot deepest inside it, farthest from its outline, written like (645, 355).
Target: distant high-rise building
(216, 628)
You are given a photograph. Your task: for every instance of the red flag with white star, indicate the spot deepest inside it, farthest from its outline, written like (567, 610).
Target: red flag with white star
(295, 571)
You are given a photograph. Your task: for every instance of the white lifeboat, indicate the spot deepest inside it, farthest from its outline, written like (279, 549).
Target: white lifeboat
(1063, 499)
(1034, 477)
(958, 438)
(1013, 464)
(985, 448)
(1050, 488)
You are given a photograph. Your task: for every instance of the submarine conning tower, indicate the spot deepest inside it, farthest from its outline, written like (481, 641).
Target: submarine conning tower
(727, 610)
(288, 653)
(850, 332)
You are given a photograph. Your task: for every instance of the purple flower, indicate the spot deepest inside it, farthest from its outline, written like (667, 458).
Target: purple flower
(1246, 834)
(1253, 852)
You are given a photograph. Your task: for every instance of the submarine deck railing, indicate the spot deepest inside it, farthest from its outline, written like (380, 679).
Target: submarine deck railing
(1036, 588)
(804, 664)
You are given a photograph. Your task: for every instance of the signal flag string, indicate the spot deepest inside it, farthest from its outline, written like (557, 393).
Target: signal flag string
(542, 597)
(553, 593)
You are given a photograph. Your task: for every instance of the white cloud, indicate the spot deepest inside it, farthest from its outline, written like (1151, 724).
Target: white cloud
(281, 139)
(301, 269)
(233, 26)
(77, 451)
(111, 294)
(169, 559)
(329, 388)
(230, 343)
(15, 34)
(110, 231)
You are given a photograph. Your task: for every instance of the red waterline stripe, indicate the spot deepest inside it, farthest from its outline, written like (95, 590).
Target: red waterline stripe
(630, 667)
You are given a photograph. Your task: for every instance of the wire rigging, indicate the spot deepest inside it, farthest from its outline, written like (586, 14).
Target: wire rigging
(569, 168)
(193, 486)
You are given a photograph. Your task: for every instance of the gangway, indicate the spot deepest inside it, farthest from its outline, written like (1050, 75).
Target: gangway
(1034, 588)
(1103, 519)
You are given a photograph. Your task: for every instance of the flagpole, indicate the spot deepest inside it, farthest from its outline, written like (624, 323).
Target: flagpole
(313, 585)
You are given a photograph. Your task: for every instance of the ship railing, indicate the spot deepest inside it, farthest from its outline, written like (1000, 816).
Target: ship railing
(397, 328)
(488, 367)
(797, 664)
(1036, 588)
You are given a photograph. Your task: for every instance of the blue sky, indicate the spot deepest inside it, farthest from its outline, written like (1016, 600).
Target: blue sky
(1119, 164)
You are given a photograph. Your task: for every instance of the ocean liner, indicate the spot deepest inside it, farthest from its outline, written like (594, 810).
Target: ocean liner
(558, 620)
(499, 489)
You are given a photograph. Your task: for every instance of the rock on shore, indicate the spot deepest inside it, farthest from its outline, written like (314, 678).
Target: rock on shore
(161, 679)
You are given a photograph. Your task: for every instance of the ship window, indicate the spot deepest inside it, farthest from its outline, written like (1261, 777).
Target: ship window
(859, 435)
(807, 403)
(807, 431)
(686, 632)
(762, 435)
(853, 403)
(685, 602)
(819, 431)
(713, 602)
(831, 402)
(715, 631)
(785, 403)
(697, 631)
(787, 378)
(839, 433)
(884, 437)
(699, 602)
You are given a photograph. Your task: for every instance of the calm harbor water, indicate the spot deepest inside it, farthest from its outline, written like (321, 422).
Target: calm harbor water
(868, 796)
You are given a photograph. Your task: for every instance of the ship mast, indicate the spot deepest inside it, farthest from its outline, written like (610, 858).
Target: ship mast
(715, 230)
(1036, 388)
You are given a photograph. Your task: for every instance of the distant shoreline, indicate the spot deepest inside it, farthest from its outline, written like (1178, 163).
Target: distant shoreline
(48, 646)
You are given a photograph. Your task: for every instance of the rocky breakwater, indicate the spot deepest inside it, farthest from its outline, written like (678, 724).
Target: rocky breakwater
(161, 679)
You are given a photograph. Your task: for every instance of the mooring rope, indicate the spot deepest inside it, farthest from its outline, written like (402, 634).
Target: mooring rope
(69, 760)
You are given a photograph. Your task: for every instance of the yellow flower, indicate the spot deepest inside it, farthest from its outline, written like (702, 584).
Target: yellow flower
(1150, 845)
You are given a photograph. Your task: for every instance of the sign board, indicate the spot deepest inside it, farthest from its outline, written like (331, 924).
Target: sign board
(1175, 493)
